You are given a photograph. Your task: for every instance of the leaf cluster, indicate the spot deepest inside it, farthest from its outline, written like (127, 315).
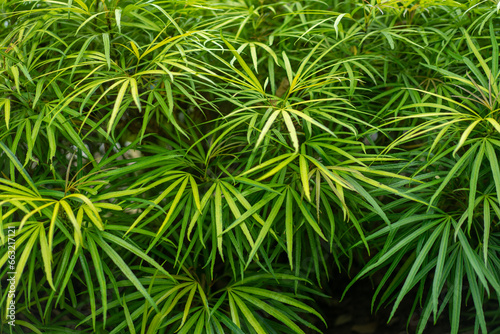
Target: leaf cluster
(207, 166)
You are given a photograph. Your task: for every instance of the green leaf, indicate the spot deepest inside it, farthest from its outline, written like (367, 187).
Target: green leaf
(125, 269)
(291, 130)
(252, 79)
(465, 135)
(307, 215)
(135, 93)
(76, 225)
(442, 256)
(265, 229)
(136, 251)
(176, 200)
(274, 312)
(255, 325)
(494, 123)
(278, 168)
(473, 183)
(304, 176)
(46, 256)
(452, 172)
(118, 18)
(288, 67)
(487, 227)
(107, 49)
(196, 194)
(281, 298)
(21, 261)
(164, 42)
(218, 218)
(266, 128)
(476, 52)
(98, 267)
(457, 294)
(118, 103)
(17, 164)
(495, 168)
(6, 108)
(422, 255)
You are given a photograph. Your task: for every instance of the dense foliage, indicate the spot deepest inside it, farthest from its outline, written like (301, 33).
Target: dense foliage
(204, 166)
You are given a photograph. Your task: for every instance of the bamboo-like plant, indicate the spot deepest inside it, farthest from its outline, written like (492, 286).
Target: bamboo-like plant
(203, 166)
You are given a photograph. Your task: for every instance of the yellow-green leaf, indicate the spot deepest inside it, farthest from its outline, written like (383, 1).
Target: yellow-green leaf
(21, 262)
(55, 211)
(218, 218)
(291, 130)
(495, 124)
(135, 93)
(74, 222)
(107, 48)
(135, 50)
(118, 103)
(6, 108)
(46, 256)
(176, 200)
(196, 194)
(465, 135)
(304, 176)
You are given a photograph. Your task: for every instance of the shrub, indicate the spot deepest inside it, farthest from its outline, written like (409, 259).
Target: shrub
(204, 167)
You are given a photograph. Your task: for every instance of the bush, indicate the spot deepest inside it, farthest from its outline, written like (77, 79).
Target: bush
(204, 167)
